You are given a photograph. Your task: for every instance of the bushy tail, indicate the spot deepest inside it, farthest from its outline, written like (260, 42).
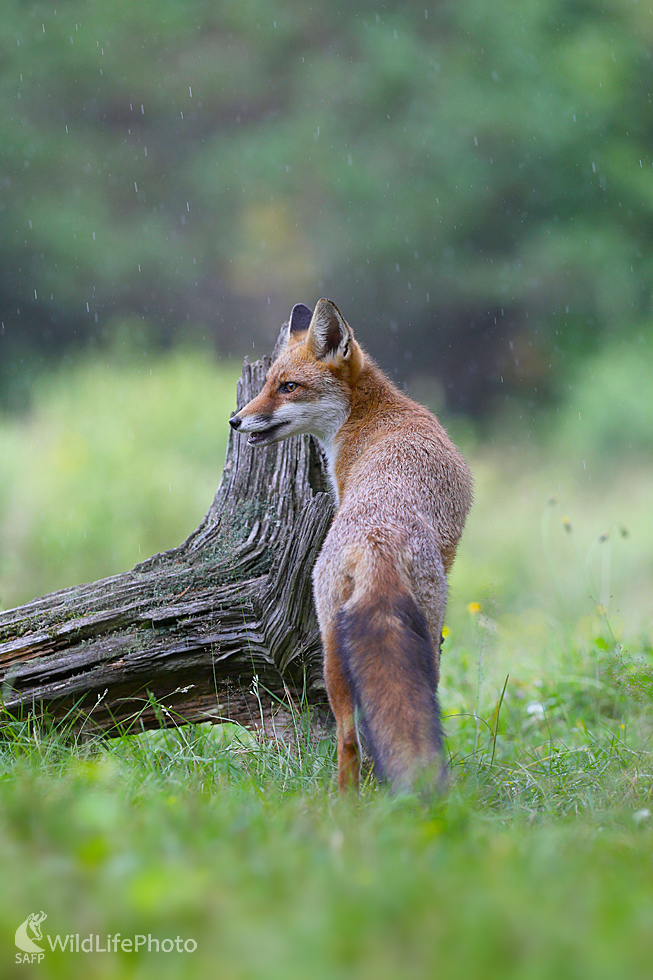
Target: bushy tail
(388, 659)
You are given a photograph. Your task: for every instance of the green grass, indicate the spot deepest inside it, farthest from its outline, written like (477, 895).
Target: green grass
(536, 863)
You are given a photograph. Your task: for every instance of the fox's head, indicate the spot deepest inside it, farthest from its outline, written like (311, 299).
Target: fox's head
(308, 387)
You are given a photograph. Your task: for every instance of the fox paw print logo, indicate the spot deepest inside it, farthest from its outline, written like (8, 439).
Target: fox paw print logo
(28, 931)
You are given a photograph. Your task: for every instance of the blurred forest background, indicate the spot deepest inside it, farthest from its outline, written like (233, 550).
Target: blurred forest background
(471, 182)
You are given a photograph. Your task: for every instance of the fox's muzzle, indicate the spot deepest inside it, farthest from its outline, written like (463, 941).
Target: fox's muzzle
(260, 428)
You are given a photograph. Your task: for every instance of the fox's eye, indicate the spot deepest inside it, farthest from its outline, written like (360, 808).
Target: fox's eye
(288, 386)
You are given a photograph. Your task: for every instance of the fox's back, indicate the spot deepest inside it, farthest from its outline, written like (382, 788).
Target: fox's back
(398, 468)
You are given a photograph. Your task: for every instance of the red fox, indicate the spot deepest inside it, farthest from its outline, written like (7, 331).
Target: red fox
(403, 491)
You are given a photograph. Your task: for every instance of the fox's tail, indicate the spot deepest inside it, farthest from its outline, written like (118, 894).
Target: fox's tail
(387, 656)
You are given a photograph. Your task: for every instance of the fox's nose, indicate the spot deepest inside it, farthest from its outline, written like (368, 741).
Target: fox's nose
(234, 422)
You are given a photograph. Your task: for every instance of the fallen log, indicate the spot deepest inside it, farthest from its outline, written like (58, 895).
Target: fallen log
(221, 628)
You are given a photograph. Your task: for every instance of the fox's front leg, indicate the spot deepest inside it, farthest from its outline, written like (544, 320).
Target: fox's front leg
(342, 705)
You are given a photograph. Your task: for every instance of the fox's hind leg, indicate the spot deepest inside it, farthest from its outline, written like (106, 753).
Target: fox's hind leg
(342, 705)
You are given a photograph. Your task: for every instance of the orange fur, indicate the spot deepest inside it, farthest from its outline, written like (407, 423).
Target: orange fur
(403, 493)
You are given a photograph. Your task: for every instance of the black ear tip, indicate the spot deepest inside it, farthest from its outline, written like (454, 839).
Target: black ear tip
(300, 318)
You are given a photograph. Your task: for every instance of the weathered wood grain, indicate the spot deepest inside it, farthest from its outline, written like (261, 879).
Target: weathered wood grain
(220, 628)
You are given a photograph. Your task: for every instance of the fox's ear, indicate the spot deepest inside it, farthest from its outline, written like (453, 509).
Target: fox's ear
(329, 335)
(300, 319)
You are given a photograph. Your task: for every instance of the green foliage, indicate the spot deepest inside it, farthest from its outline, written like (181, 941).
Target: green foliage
(613, 394)
(466, 174)
(116, 461)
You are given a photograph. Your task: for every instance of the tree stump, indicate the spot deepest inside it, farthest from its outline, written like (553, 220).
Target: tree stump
(221, 628)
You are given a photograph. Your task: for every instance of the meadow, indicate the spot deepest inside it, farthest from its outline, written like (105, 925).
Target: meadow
(536, 863)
